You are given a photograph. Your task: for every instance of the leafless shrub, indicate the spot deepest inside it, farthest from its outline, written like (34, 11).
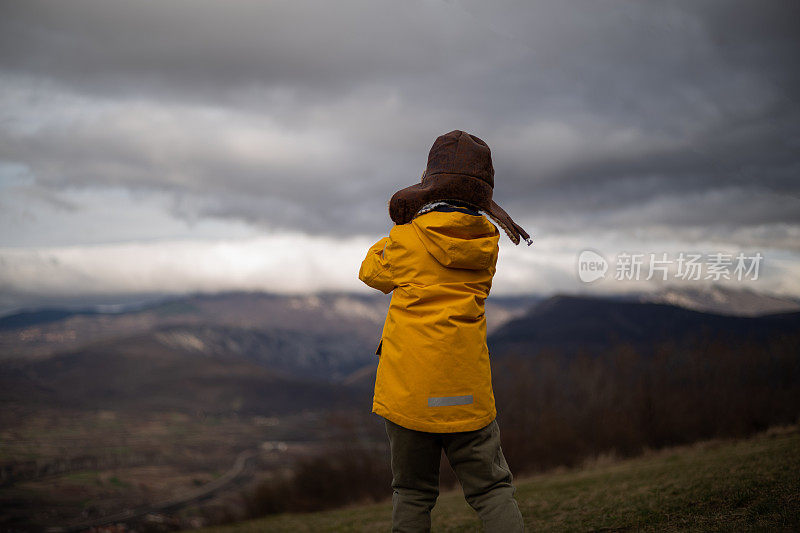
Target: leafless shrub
(560, 410)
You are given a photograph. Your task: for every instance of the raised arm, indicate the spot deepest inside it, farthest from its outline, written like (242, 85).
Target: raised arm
(376, 269)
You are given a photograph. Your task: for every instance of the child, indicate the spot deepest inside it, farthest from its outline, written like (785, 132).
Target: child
(434, 385)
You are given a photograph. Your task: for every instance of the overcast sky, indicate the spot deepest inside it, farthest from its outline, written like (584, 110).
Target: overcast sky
(184, 145)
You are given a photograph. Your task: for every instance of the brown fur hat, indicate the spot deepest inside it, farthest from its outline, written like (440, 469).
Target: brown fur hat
(459, 169)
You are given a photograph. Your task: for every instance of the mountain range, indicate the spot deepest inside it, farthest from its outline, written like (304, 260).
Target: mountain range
(271, 354)
(232, 352)
(572, 324)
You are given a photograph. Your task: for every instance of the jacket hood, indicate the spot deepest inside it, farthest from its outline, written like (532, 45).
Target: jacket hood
(458, 240)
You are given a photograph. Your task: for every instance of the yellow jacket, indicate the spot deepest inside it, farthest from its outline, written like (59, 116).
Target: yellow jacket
(433, 371)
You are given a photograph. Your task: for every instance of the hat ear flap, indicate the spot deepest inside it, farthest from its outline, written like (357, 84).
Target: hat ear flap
(397, 210)
(504, 220)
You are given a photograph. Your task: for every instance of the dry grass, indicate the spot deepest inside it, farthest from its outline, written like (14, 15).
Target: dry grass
(745, 485)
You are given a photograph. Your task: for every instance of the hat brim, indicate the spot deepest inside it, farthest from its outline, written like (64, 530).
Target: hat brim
(438, 187)
(406, 202)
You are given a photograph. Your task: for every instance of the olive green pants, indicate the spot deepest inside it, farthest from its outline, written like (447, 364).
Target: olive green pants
(477, 460)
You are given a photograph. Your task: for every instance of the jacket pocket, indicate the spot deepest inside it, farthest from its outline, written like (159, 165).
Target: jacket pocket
(378, 350)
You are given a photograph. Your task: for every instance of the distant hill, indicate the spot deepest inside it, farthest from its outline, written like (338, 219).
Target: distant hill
(153, 372)
(38, 317)
(43, 333)
(567, 324)
(722, 300)
(337, 323)
(262, 352)
(327, 356)
(243, 352)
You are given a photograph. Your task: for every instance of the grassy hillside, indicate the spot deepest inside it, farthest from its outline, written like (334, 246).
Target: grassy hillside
(745, 485)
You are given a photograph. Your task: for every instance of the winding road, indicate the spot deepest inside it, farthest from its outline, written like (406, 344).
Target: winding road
(207, 490)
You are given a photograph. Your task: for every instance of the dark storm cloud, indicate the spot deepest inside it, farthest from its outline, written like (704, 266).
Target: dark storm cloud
(614, 114)
(211, 48)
